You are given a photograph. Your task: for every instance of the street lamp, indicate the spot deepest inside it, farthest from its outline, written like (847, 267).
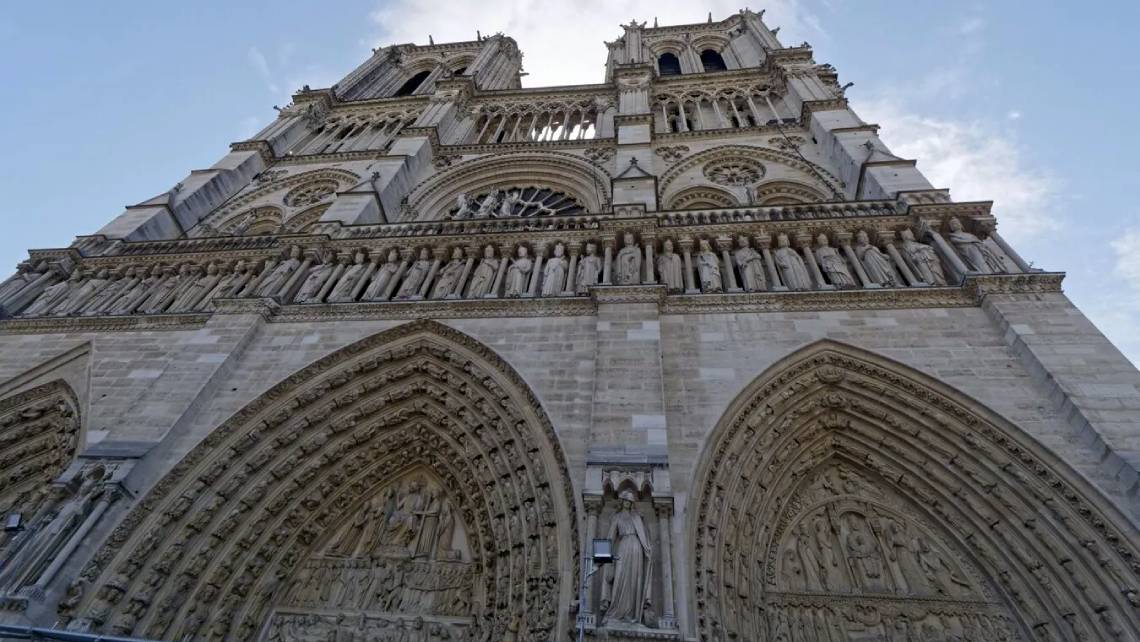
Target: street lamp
(601, 553)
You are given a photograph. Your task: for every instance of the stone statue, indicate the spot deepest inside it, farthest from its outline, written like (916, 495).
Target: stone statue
(54, 295)
(875, 263)
(107, 295)
(81, 295)
(554, 273)
(464, 207)
(625, 593)
(230, 284)
(383, 278)
(26, 273)
(507, 207)
(671, 268)
(415, 276)
(343, 291)
(518, 274)
(790, 264)
(924, 259)
(628, 263)
(589, 267)
(311, 289)
(708, 268)
(273, 282)
(751, 266)
(832, 263)
(979, 257)
(195, 292)
(134, 292)
(160, 294)
(448, 281)
(483, 279)
(487, 205)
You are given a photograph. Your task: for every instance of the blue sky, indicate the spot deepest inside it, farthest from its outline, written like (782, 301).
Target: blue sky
(1026, 103)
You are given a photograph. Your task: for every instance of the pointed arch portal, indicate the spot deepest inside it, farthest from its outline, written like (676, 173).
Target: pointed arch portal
(407, 483)
(845, 497)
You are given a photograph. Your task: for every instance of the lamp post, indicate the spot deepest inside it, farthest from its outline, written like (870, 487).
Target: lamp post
(601, 553)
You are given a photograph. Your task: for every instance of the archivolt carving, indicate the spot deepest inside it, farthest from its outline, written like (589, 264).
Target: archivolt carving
(39, 433)
(222, 539)
(826, 181)
(581, 179)
(785, 193)
(343, 178)
(701, 197)
(844, 495)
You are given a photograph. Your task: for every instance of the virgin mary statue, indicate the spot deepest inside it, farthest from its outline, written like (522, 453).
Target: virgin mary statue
(625, 594)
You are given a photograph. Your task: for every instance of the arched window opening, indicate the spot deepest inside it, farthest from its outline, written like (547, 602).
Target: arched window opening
(712, 61)
(412, 84)
(460, 71)
(668, 65)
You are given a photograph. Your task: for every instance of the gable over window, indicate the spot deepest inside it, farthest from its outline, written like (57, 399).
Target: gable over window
(668, 65)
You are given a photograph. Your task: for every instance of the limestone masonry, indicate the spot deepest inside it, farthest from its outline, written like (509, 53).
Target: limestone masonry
(387, 369)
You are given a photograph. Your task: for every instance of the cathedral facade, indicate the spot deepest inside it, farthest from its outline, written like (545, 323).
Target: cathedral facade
(687, 354)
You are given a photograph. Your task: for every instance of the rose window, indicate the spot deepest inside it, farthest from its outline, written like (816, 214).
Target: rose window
(734, 172)
(310, 193)
(515, 202)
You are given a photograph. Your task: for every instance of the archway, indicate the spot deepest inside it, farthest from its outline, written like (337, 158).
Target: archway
(379, 435)
(846, 497)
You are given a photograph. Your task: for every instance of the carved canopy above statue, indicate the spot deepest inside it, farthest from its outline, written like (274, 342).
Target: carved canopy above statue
(408, 484)
(845, 497)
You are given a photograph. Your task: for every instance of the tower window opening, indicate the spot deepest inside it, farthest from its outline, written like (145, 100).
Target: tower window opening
(412, 84)
(712, 61)
(668, 65)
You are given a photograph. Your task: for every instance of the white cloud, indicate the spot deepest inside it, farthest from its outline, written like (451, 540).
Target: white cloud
(261, 65)
(1013, 115)
(971, 25)
(542, 27)
(976, 161)
(1127, 249)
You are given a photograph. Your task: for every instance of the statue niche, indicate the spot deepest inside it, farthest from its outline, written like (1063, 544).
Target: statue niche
(400, 566)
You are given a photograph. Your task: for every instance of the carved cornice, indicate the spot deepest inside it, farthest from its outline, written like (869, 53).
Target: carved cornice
(260, 146)
(133, 322)
(627, 293)
(525, 146)
(452, 309)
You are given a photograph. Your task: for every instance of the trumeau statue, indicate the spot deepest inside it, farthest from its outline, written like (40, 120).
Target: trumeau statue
(415, 276)
(923, 258)
(518, 274)
(346, 286)
(832, 263)
(448, 281)
(483, 279)
(708, 268)
(627, 265)
(273, 282)
(979, 257)
(875, 263)
(554, 273)
(383, 278)
(751, 265)
(589, 268)
(671, 268)
(315, 280)
(790, 264)
(625, 590)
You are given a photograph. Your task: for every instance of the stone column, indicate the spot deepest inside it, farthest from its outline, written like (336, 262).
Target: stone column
(607, 261)
(61, 557)
(650, 271)
(406, 260)
(289, 290)
(844, 239)
(25, 295)
(686, 245)
(586, 608)
(572, 273)
(438, 253)
(887, 238)
(365, 278)
(506, 252)
(330, 282)
(668, 619)
(765, 243)
(536, 273)
(803, 240)
(949, 254)
(724, 244)
(472, 252)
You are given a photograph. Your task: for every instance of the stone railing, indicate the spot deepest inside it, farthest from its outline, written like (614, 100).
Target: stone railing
(462, 262)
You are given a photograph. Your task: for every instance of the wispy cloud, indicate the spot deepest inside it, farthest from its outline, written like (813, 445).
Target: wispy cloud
(261, 65)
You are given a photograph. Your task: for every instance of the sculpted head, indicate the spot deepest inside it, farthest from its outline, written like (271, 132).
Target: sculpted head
(489, 252)
(627, 498)
(212, 268)
(591, 249)
(955, 224)
(295, 252)
(627, 238)
(667, 246)
(457, 253)
(343, 259)
(742, 241)
(704, 246)
(522, 251)
(822, 240)
(559, 250)
(782, 240)
(239, 266)
(102, 274)
(424, 254)
(861, 238)
(907, 235)
(361, 257)
(393, 256)
(156, 270)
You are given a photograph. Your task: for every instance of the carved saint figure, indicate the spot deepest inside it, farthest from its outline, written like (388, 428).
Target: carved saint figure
(625, 594)
(628, 263)
(554, 273)
(924, 259)
(448, 281)
(311, 289)
(81, 295)
(346, 286)
(832, 263)
(935, 570)
(107, 295)
(979, 257)
(190, 296)
(383, 278)
(790, 264)
(403, 524)
(863, 557)
(507, 207)
(26, 273)
(708, 268)
(231, 283)
(875, 263)
(483, 279)
(54, 295)
(273, 282)
(751, 265)
(487, 205)
(464, 207)
(415, 276)
(671, 268)
(518, 274)
(589, 267)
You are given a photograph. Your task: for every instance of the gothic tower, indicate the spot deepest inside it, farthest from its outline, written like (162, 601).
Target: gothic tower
(391, 368)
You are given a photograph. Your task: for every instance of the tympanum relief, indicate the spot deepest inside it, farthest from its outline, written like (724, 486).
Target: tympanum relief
(400, 569)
